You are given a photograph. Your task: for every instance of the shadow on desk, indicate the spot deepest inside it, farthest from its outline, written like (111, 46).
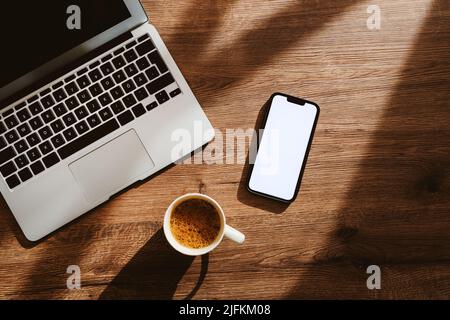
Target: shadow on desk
(153, 273)
(396, 214)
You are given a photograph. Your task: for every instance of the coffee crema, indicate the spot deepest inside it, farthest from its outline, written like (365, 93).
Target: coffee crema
(195, 223)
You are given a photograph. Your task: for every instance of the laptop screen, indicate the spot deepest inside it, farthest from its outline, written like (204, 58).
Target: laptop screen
(35, 32)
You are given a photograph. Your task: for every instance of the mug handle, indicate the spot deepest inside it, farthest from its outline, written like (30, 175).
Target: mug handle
(234, 235)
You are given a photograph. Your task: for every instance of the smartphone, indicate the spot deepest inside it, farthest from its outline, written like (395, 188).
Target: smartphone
(283, 148)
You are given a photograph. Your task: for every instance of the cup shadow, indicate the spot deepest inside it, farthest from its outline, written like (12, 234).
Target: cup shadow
(154, 273)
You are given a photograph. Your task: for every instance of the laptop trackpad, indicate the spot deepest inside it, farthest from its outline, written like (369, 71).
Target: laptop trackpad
(112, 167)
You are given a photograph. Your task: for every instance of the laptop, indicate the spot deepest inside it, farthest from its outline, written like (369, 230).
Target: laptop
(91, 102)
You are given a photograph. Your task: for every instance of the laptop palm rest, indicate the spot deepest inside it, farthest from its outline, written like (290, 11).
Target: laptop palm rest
(112, 167)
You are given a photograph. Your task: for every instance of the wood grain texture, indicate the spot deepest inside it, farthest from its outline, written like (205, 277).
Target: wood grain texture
(376, 189)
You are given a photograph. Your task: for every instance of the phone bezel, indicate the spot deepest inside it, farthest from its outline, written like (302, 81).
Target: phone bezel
(300, 102)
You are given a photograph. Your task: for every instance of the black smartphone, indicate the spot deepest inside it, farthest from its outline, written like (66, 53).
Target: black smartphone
(283, 148)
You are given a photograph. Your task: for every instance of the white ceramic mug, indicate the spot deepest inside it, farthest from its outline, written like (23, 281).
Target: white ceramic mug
(225, 230)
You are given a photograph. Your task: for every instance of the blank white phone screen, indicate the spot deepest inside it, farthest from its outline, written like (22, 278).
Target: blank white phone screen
(283, 148)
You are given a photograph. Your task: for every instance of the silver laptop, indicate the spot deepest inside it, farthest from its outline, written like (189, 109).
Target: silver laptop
(91, 98)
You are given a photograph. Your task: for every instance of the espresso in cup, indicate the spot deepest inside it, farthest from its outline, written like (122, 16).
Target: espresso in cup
(195, 223)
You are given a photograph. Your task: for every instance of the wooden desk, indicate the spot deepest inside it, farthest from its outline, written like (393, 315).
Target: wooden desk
(376, 189)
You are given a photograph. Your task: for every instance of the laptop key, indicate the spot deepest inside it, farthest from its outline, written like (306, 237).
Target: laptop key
(45, 133)
(155, 58)
(45, 147)
(8, 169)
(106, 114)
(93, 120)
(82, 71)
(145, 47)
(35, 108)
(59, 95)
(34, 154)
(119, 62)
(32, 99)
(3, 143)
(70, 134)
(93, 106)
(105, 99)
(119, 51)
(175, 93)
(140, 79)
(139, 110)
(129, 100)
(37, 167)
(57, 126)
(128, 86)
(12, 136)
(20, 106)
(7, 154)
(69, 119)
(89, 138)
(36, 123)
(141, 94)
(84, 96)
(95, 75)
(119, 76)
(82, 127)
(162, 97)
(107, 57)
(23, 115)
(131, 44)
(72, 103)
(96, 89)
(47, 101)
(81, 113)
(13, 181)
(142, 38)
(25, 174)
(8, 113)
(24, 130)
(130, 55)
(83, 82)
(152, 73)
(72, 88)
(33, 139)
(143, 63)
(160, 83)
(125, 117)
(2, 128)
(21, 161)
(60, 110)
(11, 122)
(21, 146)
(69, 78)
(107, 83)
(131, 70)
(51, 160)
(48, 116)
(57, 141)
(117, 107)
(117, 92)
(107, 68)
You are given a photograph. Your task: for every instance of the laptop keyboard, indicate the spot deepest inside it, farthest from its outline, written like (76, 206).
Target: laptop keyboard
(89, 104)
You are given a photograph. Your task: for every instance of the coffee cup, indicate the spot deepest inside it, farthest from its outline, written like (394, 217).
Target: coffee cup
(190, 202)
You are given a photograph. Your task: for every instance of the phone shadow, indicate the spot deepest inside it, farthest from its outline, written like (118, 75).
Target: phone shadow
(154, 273)
(243, 194)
